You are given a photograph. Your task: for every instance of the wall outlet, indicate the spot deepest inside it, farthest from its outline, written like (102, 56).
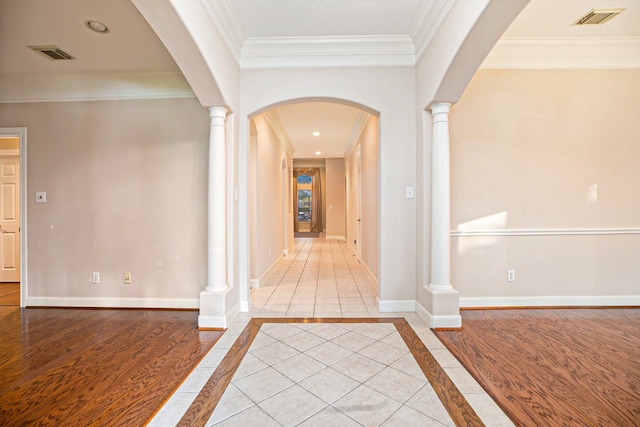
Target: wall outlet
(95, 277)
(127, 278)
(511, 275)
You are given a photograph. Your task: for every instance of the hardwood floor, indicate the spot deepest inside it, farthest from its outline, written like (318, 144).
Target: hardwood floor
(75, 367)
(570, 367)
(10, 294)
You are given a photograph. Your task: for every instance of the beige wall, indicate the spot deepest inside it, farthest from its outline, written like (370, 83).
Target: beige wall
(335, 205)
(126, 185)
(553, 151)
(270, 197)
(368, 143)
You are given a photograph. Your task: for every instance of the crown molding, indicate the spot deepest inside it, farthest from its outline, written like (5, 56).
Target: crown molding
(339, 51)
(358, 128)
(52, 87)
(225, 20)
(273, 118)
(564, 53)
(429, 20)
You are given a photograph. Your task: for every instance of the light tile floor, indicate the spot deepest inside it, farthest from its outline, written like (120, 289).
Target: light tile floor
(326, 374)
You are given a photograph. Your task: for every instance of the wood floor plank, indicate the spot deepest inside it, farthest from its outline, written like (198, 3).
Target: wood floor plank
(555, 366)
(95, 367)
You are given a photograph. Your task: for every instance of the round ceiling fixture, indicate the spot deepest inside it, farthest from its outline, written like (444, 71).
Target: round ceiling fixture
(316, 133)
(318, 153)
(96, 26)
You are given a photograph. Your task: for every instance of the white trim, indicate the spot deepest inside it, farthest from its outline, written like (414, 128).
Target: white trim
(102, 86)
(226, 22)
(330, 51)
(564, 53)
(551, 301)
(273, 118)
(387, 306)
(429, 21)
(356, 132)
(219, 321)
(446, 321)
(255, 283)
(21, 134)
(330, 237)
(546, 232)
(244, 306)
(106, 302)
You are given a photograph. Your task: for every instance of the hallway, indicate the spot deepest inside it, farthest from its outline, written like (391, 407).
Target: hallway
(320, 278)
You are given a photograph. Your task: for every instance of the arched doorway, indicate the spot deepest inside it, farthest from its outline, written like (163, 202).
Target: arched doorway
(323, 141)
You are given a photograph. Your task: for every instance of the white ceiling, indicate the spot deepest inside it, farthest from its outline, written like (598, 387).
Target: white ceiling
(131, 45)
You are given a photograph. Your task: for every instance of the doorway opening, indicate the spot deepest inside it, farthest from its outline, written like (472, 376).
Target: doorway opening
(12, 216)
(329, 150)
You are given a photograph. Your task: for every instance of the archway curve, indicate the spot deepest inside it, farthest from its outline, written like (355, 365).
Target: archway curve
(303, 100)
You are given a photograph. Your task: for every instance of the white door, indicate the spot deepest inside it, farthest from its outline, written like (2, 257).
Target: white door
(10, 218)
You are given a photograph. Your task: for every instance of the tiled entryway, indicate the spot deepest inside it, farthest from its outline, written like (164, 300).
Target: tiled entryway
(329, 374)
(324, 374)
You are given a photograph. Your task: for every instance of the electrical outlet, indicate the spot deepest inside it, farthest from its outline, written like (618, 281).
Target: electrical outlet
(95, 277)
(511, 275)
(127, 278)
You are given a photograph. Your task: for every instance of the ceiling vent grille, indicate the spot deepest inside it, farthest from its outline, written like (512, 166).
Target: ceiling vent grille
(52, 52)
(598, 16)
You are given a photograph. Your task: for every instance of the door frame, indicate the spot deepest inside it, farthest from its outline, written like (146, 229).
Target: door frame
(21, 134)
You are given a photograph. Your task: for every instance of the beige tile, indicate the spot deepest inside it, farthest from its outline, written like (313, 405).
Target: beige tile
(488, 411)
(299, 367)
(329, 417)
(274, 353)
(426, 401)
(328, 331)
(254, 416)
(292, 406)
(329, 384)
(281, 331)
(383, 353)
(249, 365)
(406, 416)
(408, 365)
(329, 353)
(463, 380)
(303, 341)
(232, 402)
(173, 410)
(262, 384)
(395, 384)
(367, 406)
(358, 367)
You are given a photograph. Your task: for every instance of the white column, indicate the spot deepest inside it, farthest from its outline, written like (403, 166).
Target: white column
(217, 222)
(440, 200)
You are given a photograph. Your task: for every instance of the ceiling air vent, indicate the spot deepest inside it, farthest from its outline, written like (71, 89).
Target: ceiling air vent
(598, 16)
(52, 52)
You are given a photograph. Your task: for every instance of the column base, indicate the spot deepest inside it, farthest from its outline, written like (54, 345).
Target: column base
(214, 312)
(443, 308)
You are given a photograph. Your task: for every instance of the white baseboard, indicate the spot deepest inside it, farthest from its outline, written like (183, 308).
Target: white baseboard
(219, 321)
(434, 322)
(254, 283)
(329, 237)
(551, 301)
(179, 303)
(386, 306)
(244, 306)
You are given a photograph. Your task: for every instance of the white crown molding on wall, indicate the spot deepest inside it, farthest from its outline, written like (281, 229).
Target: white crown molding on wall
(61, 87)
(429, 20)
(225, 20)
(347, 51)
(565, 53)
(273, 118)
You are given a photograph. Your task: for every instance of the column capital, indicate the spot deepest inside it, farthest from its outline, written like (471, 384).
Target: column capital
(218, 115)
(440, 112)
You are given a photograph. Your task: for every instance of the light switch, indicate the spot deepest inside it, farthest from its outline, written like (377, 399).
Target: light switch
(409, 192)
(41, 197)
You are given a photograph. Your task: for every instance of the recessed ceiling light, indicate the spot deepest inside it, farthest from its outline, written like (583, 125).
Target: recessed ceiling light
(96, 26)
(318, 153)
(316, 133)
